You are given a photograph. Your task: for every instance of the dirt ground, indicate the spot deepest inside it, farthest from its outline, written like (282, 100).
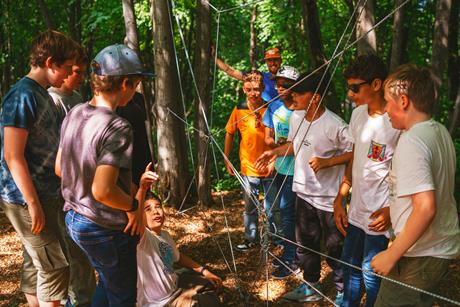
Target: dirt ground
(201, 234)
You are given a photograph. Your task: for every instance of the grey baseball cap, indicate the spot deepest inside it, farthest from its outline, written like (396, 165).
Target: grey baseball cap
(288, 72)
(118, 60)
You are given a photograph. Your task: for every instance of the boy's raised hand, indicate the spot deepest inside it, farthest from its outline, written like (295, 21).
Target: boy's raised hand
(317, 163)
(340, 216)
(381, 219)
(264, 160)
(148, 177)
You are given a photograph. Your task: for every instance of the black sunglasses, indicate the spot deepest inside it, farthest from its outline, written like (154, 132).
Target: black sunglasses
(356, 86)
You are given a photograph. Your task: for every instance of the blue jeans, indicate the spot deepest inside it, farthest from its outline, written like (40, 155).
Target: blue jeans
(113, 254)
(251, 215)
(286, 199)
(358, 249)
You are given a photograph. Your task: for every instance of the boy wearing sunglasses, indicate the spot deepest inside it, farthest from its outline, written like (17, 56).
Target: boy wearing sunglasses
(365, 225)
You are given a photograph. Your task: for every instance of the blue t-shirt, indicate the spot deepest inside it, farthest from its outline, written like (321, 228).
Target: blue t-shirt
(270, 91)
(277, 118)
(28, 105)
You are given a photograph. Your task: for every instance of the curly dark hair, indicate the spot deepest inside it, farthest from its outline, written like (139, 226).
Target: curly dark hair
(367, 67)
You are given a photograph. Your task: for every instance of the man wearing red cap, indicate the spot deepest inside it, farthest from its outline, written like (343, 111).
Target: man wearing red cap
(272, 58)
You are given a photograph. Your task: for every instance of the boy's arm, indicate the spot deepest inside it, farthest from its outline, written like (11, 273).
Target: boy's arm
(317, 163)
(269, 156)
(15, 140)
(57, 164)
(188, 262)
(270, 137)
(423, 213)
(340, 216)
(227, 150)
(232, 72)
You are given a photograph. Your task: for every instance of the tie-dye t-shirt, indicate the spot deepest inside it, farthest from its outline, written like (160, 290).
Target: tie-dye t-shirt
(277, 118)
(156, 279)
(28, 106)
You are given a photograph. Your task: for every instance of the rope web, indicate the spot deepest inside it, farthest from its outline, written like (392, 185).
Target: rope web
(265, 232)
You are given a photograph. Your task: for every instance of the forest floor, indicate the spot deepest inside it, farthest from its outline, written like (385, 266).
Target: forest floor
(198, 234)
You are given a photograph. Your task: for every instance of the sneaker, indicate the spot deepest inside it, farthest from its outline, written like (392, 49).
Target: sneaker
(283, 272)
(339, 298)
(246, 246)
(304, 293)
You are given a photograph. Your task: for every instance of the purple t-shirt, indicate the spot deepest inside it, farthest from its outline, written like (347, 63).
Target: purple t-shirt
(93, 136)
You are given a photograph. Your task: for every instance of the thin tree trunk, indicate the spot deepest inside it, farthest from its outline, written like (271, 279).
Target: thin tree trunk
(440, 38)
(453, 66)
(312, 28)
(75, 20)
(46, 15)
(202, 101)
(366, 20)
(455, 121)
(252, 42)
(399, 36)
(315, 43)
(172, 159)
(131, 38)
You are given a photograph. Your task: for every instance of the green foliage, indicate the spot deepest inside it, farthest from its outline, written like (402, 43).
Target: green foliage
(279, 23)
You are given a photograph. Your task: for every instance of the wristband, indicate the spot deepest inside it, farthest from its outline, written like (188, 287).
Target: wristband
(134, 205)
(203, 268)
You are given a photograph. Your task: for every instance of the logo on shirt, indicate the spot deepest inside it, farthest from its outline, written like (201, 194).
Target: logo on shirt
(376, 151)
(166, 255)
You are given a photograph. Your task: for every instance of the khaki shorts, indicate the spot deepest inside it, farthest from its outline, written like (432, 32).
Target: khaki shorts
(421, 272)
(45, 270)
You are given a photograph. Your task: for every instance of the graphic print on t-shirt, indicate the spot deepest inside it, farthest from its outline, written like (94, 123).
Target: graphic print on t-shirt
(166, 255)
(376, 151)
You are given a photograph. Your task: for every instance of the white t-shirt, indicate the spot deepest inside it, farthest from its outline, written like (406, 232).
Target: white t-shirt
(375, 140)
(424, 160)
(156, 280)
(326, 138)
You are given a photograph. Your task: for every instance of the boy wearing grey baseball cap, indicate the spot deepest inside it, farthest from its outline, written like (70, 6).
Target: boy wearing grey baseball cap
(94, 162)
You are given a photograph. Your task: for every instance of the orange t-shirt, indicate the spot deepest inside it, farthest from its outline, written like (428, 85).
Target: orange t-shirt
(252, 137)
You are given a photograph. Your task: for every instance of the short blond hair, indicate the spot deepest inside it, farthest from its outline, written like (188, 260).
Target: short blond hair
(415, 82)
(254, 76)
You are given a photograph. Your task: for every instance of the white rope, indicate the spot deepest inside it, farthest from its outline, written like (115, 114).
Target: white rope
(370, 272)
(304, 281)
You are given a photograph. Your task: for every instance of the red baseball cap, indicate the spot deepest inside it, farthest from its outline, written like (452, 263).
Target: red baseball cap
(273, 53)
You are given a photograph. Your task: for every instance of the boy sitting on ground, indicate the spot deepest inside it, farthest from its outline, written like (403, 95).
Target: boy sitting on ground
(157, 283)
(314, 131)
(422, 204)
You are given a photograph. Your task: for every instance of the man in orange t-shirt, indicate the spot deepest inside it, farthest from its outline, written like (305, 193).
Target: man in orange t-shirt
(246, 119)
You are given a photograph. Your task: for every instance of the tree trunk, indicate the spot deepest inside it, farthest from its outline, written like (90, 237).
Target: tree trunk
(46, 15)
(399, 36)
(315, 42)
(172, 159)
(440, 38)
(252, 42)
(131, 38)
(75, 20)
(455, 120)
(453, 66)
(312, 28)
(202, 73)
(366, 20)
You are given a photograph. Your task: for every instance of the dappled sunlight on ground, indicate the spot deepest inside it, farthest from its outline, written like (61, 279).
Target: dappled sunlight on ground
(198, 232)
